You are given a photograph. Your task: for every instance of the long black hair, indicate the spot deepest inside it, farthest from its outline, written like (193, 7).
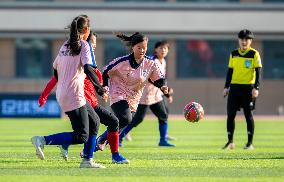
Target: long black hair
(132, 40)
(76, 27)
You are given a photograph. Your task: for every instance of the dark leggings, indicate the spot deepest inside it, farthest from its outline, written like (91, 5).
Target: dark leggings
(240, 96)
(85, 122)
(107, 118)
(122, 112)
(159, 109)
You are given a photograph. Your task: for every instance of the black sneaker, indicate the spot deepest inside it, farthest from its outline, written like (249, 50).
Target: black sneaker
(229, 145)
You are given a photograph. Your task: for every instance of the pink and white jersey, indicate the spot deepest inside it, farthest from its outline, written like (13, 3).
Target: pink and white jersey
(70, 87)
(127, 78)
(152, 94)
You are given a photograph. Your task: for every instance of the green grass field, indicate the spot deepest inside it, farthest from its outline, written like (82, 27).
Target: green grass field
(197, 157)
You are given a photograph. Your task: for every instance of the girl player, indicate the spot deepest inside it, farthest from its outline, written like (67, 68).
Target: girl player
(71, 66)
(106, 117)
(126, 77)
(153, 97)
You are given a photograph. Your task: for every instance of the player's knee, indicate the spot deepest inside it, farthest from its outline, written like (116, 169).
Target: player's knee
(114, 125)
(124, 121)
(163, 121)
(163, 117)
(81, 138)
(136, 121)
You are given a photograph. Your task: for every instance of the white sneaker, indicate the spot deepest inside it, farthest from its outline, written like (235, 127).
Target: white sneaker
(249, 147)
(63, 152)
(38, 142)
(128, 137)
(171, 138)
(90, 163)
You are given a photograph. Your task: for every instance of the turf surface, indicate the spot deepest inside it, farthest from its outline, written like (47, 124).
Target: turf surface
(197, 157)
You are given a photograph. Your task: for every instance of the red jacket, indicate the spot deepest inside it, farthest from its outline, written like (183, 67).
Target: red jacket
(89, 90)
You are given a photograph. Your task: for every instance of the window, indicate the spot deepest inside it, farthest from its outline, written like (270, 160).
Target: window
(33, 58)
(273, 60)
(203, 58)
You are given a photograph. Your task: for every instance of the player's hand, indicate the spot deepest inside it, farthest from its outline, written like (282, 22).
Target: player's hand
(41, 101)
(170, 99)
(106, 93)
(165, 89)
(225, 92)
(105, 97)
(254, 93)
(106, 89)
(171, 91)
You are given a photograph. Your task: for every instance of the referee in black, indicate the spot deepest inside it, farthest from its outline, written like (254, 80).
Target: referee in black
(242, 84)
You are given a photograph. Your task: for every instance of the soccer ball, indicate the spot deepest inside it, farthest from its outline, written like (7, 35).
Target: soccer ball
(193, 112)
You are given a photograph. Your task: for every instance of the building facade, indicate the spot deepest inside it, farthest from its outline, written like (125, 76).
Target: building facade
(201, 32)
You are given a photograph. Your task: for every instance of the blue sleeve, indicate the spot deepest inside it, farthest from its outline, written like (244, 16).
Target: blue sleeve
(93, 55)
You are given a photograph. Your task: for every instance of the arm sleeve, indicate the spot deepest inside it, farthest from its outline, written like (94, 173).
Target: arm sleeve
(55, 74)
(89, 71)
(159, 83)
(48, 88)
(99, 75)
(257, 78)
(105, 79)
(93, 56)
(229, 77)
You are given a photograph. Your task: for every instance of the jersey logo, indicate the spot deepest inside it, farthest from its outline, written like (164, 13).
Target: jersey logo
(145, 74)
(248, 63)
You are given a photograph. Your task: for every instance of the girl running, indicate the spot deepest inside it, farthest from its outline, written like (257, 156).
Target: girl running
(126, 77)
(106, 117)
(71, 66)
(153, 97)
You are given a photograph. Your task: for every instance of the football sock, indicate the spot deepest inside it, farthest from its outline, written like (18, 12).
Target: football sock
(230, 130)
(163, 128)
(113, 139)
(89, 147)
(250, 125)
(104, 136)
(64, 138)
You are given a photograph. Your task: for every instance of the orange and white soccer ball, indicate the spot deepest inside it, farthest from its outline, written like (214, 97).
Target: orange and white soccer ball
(193, 112)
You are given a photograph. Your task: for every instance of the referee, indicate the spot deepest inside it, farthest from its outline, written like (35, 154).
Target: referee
(242, 84)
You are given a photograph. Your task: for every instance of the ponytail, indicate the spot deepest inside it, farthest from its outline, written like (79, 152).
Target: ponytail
(132, 40)
(76, 27)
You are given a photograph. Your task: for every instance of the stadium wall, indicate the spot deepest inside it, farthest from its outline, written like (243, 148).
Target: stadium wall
(47, 20)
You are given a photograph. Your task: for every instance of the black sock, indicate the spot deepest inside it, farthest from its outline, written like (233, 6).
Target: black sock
(250, 125)
(230, 130)
(250, 137)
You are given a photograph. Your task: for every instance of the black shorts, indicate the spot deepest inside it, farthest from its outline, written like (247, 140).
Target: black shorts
(85, 122)
(240, 96)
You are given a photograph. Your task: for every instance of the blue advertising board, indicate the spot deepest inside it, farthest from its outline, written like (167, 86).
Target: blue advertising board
(26, 105)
